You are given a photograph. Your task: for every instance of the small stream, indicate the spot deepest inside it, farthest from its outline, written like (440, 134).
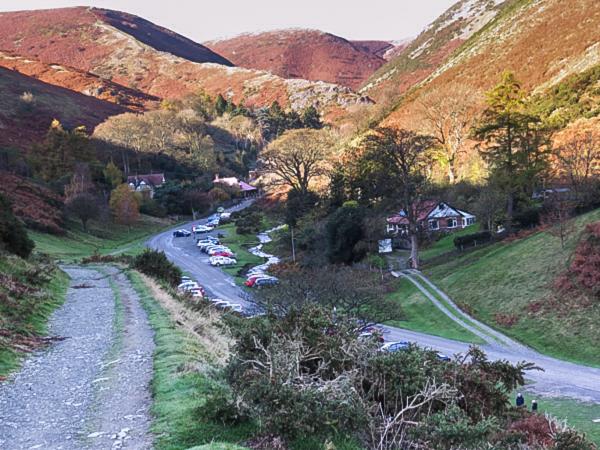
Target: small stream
(264, 238)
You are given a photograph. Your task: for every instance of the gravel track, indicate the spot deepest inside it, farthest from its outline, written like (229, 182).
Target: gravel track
(90, 390)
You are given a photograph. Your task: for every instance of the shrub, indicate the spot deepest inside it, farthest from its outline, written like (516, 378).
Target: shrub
(13, 235)
(472, 239)
(249, 222)
(151, 207)
(527, 218)
(155, 264)
(344, 230)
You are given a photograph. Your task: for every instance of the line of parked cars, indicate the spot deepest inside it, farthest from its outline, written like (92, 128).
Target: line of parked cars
(392, 347)
(220, 255)
(191, 287)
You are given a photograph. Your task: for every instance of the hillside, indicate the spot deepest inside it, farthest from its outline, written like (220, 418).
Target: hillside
(541, 42)
(418, 59)
(79, 81)
(132, 52)
(512, 286)
(296, 53)
(24, 119)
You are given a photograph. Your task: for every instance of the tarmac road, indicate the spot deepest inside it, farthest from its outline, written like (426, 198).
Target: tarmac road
(558, 378)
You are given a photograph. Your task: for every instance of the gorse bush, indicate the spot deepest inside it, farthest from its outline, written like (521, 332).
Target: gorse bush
(155, 264)
(13, 235)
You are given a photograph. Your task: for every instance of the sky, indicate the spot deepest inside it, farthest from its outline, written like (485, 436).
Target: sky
(203, 20)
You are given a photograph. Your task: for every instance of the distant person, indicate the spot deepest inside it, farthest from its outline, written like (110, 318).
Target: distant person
(534, 406)
(520, 400)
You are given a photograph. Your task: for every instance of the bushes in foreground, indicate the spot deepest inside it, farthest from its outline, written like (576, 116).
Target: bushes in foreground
(13, 235)
(307, 374)
(155, 264)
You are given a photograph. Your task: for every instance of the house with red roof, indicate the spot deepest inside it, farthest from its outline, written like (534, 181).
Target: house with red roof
(433, 216)
(145, 184)
(246, 190)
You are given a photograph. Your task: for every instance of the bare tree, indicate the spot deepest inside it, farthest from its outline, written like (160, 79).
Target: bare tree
(448, 114)
(577, 155)
(557, 214)
(85, 206)
(297, 158)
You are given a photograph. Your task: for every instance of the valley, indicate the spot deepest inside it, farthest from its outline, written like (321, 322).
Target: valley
(316, 233)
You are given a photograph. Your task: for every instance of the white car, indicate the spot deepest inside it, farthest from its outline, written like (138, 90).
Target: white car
(213, 251)
(186, 285)
(221, 261)
(202, 228)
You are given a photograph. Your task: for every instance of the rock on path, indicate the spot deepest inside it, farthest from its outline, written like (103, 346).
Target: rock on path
(91, 390)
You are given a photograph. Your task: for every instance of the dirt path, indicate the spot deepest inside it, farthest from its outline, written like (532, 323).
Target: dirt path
(91, 390)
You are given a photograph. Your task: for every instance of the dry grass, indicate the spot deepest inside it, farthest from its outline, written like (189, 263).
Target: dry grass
(203, 325)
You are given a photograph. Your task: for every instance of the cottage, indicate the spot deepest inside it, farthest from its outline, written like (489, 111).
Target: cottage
(246, 190)
(145, 184)
(432, 216)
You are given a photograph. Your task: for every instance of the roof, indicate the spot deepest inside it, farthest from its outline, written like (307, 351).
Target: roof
(245, 187)
(430, 209)
(154, 179)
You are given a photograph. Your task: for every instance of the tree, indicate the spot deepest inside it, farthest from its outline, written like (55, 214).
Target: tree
(85, 206)
(13, 235)
(112, 174)
(57, 155)
(311, 118)
(393, 167)
(125, 205)
(344, 230)
(81, 182)
(447, 115)
(220, 105)
(556, 216)
(514, 141)
(197, 200)
(297, 159)
(576, 156)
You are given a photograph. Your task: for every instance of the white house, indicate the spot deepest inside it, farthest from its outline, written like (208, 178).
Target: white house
(432, 216)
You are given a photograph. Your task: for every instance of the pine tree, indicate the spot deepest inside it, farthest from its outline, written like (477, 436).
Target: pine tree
(221, 105)
(112, 174)
(311, 118)
(514, 141)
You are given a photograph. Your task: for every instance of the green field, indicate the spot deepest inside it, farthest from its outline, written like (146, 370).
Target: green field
(423, 316)
(101, 238)
(578, 415)
(506, 277)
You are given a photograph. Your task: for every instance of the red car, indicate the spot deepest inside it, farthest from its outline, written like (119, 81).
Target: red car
(225, 254)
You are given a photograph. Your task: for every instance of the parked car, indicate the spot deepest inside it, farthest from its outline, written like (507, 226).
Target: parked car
(181, 233)
(221, 261)
(208, 239)
(371, 333)
(392, 347)
(213, 251)
(206, 247)
(216, 248)
(202, 228)
(261, 282)
(443, 357)
(202, 244)
(183, 287)
(252, 281)
(224, 253)
(197, 292)
(213, 223)
(185, 278)
(224, 304)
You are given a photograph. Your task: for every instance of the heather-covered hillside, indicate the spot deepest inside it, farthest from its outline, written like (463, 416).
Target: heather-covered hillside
(308, 54)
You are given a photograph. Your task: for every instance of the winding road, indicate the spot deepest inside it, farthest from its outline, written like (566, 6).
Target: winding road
(556, 379)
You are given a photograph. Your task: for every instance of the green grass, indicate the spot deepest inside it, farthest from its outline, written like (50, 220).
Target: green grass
(446, 244)
(578, 415)
(239, 243)
(179, 391)
(33, 318)
(506, 277)
(101, 238)
(422, 315)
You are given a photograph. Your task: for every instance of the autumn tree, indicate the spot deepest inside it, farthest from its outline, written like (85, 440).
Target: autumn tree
(448, 115)
(393, 168)
(513, 142)
(576, 156)
(125, 205)
(57, 155)
(297, 159)
(80, 199)
(112, 174)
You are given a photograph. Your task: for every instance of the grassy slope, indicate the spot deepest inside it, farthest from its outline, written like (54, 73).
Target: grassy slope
(578, 415)
(446, 244)
(421, 315)
(100, 238)
(34, 322)
(506, 277)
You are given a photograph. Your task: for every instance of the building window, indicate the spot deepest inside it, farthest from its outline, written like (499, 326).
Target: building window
(452, 223)
(434, 225)
(470, 220)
